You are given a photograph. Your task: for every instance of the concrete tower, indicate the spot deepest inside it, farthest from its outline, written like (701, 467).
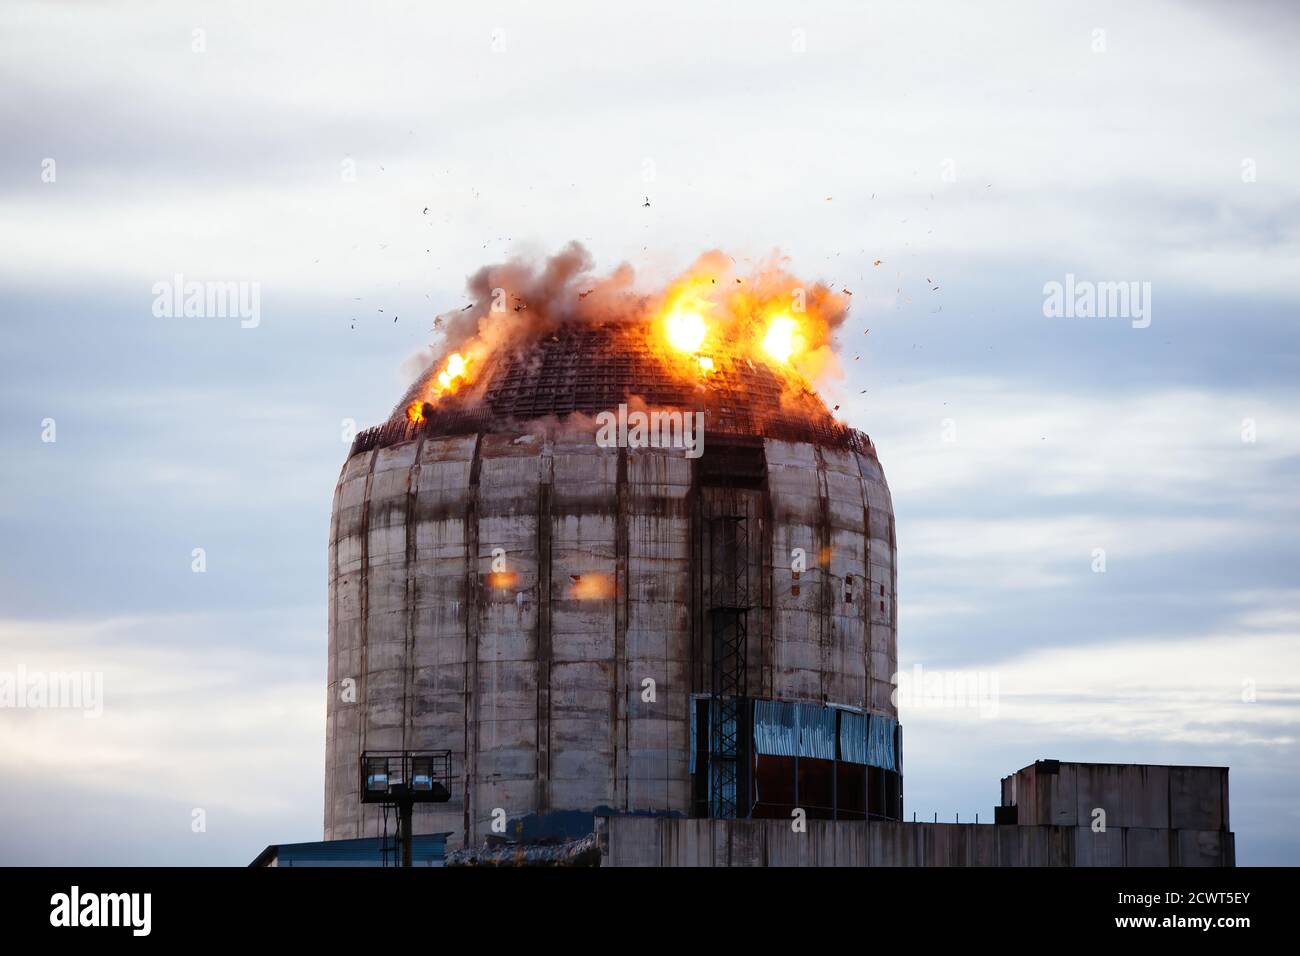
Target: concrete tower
(633, 628)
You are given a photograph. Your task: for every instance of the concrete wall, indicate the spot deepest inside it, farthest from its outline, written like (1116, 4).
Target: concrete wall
(662, 841)
(836, 506)
(1131, 795)
(536, 688)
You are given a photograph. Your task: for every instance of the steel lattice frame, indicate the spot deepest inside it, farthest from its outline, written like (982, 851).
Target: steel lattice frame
(728, 606)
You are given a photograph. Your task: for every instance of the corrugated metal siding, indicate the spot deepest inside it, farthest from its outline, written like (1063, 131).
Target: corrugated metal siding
(816, 731)
(853, 737)
(880, 742)
(786, 729)
(776, 729)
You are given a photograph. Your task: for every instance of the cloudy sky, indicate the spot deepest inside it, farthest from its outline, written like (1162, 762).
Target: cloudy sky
(986, 152)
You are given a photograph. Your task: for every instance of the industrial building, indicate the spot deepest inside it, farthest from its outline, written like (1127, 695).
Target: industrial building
(683, 654)
(1153, 816)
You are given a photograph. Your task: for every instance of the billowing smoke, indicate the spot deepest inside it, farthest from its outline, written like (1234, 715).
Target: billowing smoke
(764, 311)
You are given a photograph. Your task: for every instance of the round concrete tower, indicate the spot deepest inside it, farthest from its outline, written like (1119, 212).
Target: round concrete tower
(589, 625)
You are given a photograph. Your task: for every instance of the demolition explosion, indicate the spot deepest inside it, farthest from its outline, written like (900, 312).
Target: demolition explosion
(613, 585)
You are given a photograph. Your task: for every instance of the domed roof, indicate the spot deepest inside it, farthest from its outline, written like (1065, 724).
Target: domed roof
(582, 368)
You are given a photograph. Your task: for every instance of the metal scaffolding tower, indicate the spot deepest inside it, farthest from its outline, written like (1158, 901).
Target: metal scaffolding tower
(728, 605)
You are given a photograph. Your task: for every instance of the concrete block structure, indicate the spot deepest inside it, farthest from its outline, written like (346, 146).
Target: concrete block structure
(1153, 816)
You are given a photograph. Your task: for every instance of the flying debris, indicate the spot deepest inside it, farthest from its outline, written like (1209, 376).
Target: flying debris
(698, 326)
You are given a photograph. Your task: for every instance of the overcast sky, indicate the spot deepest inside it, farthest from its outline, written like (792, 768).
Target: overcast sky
(986, 152)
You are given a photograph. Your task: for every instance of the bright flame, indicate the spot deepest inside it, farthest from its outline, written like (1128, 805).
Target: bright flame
(686, 330)
(706, 326)
(455, 369)
(452, 376)
(783, 338)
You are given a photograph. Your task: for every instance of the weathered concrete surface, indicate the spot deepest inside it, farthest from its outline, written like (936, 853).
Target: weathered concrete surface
(1145, 796)
(835, 630)
(535, 679)
(664, 841)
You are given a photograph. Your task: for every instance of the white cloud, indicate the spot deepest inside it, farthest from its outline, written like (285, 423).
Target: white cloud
(191, 711)
(1173, 446)
(227, 162)
(1164, 692)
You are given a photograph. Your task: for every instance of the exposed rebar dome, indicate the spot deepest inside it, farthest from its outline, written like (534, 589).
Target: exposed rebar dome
(587, 369)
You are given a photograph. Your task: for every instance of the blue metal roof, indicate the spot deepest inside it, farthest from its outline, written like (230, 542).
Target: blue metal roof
(428, 849)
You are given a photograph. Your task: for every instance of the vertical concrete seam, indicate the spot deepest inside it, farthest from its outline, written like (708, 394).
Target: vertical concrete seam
(869, 665)
(412, 556)
(825, 628)
(332, 700)
(621, 712)
(363, 699)
(767, 586)
(546, 479)
(471, 636)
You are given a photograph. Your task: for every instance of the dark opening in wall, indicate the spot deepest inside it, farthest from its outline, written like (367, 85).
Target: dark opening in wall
(851, 791)
(774, 781)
